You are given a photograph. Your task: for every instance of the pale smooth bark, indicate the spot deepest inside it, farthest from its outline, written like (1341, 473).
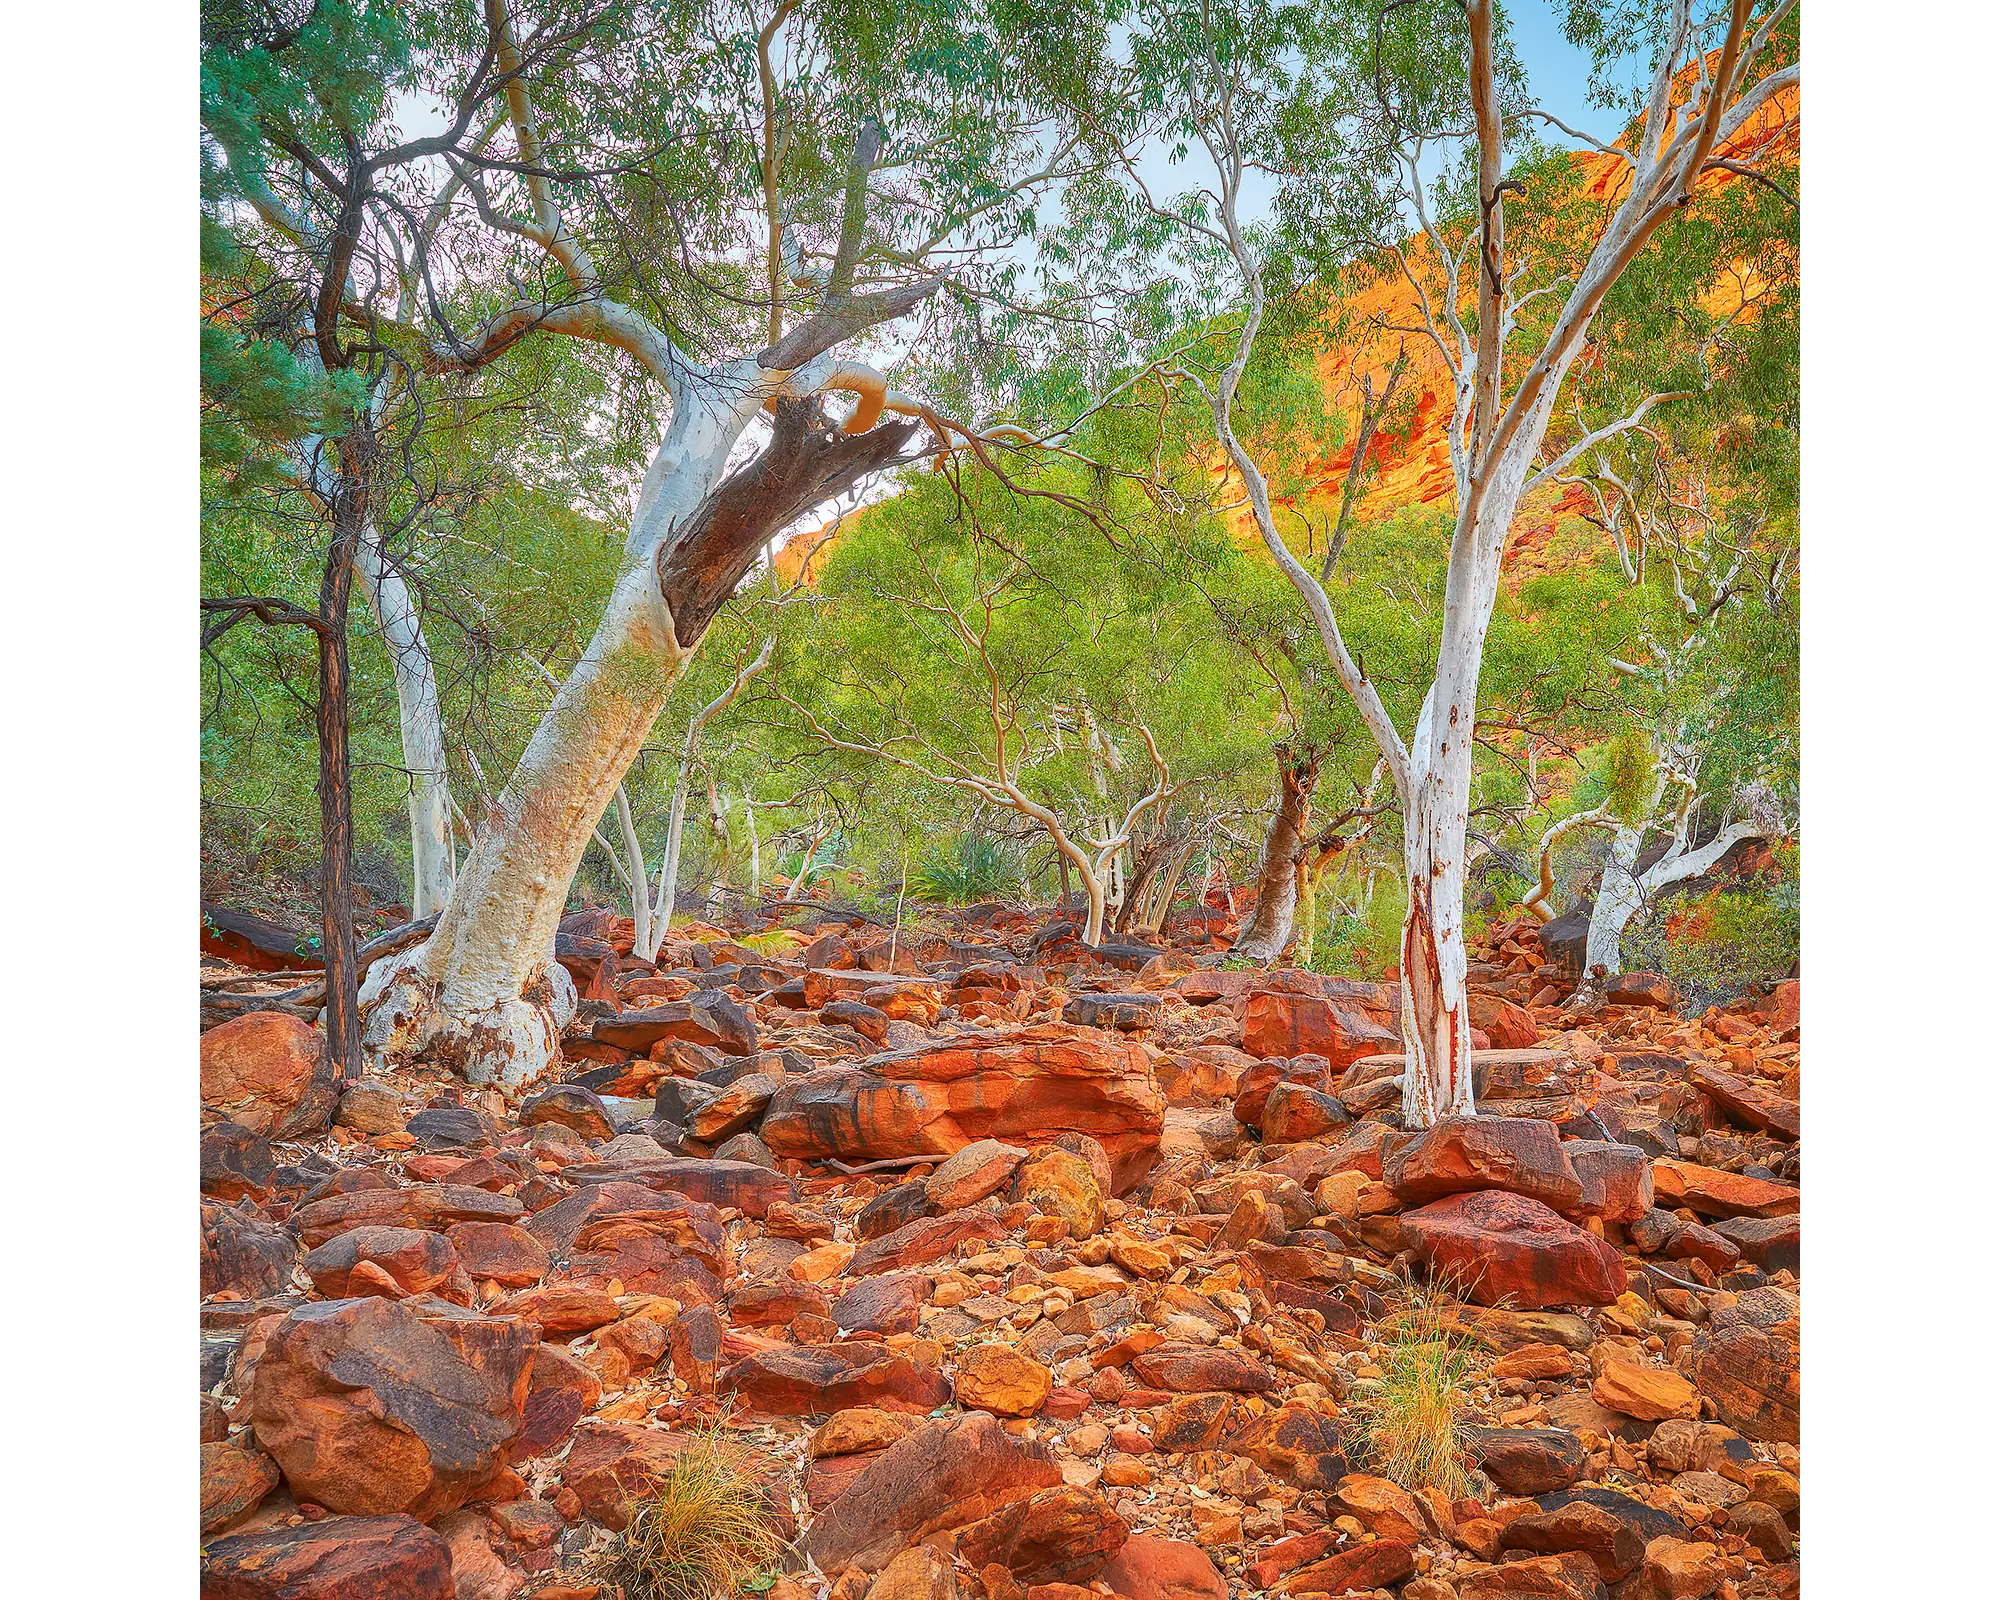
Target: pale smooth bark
(420, 721)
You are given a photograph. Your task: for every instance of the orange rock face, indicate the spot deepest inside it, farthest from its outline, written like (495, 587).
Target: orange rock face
(1023, 1085)
(368, 1408)
(1513, 1249)
(1299, 1013)
(267, 1071)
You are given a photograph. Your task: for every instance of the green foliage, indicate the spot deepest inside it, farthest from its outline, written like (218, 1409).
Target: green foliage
(1728, 943)
(1628, 774)
(973, 867)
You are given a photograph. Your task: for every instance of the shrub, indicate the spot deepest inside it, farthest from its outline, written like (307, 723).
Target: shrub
(1410, 1423)
(1723, 945)
(972, 868)
(700, 1535)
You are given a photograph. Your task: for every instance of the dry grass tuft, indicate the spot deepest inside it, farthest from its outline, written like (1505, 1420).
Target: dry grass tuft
(1411, 1423)
(701, 1534)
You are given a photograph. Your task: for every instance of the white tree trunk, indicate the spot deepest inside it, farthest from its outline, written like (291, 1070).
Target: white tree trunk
(756, 862)
(479, 996)
(421, 723)
(670, 864)
(1619, 898)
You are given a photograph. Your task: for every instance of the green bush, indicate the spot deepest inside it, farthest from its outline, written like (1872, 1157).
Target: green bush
(1728, 943)
(972, 868)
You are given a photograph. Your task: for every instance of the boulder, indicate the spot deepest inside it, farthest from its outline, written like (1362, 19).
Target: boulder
(268, 1071)
(1147, 1567)
(708, 1018)
(1518, 1154)
(1571, 1576)
(388, 1261)
(235, 1477)
(1296, 1013)
(813, 1380)
(612, 1466)
(1022, 1084)
(1617, 1179)
(1064, 1534)
(243, 1252)
(572, 1106)
(997, 1378)
(1639, 989)
(1748, 1104)
(1746, 1362)
(1292, 1442)
(1296, 1112)
(1380, 1565)
(511, 1256)
(1771, 1242)
(971, 1174)
(735, 1109)
(430, 1206)
(949, 1472)
(1507, 1247)
(236, 1164)
(1122, 1013)
(1715, 1193)
(1193, 1368)
(1527, 1460)
(1652, 1394)
(1504, 1023)
(748, 1187)
(369, 1408)
(1058, 1183)
(926, 1239)
(337, 1558)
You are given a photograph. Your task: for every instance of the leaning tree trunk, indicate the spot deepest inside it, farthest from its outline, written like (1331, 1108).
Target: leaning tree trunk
(1619, 897)
(1269, 930)
(483, 995)
(422, 725)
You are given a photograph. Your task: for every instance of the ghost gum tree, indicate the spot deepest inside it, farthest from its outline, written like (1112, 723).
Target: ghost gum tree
(1364, 107)
(732, 203)
(972, 638)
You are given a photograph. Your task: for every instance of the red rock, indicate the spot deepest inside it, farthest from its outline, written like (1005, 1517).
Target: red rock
(391, 1261)
(1294, 1443)
(951, 1471)
(1527, 1460)
(235, 1477)
(709, 1018)
(1506, 1247)
(1195, 1422)
(814, 1380)
(1057, 1535)
(1147, 1567)
(236, 1164)
(1747, 1103)
(882, 1305)
(1296, 1112)
(1195, 1368)
(1612, 1544)
(1299, 1013)
(1518, 1154)
(1617, 1179)
(1563, 1577)
(969, 1176)
(1288, 1555)
(338, 1558)
(571, 1106)
(1715, 1193)
(368, 1408)
(997, 1378)
(1639, 989)
(1771, 1242)
(1023, 1085)
(560, 1311)
(431, 1207)
(751, 1189)
(1746, 1362)
(1504, 1023)
(268, 1071)
(243, 1252)
(775, 1305)
(926, 1239)
(512, 1257)
(1368, 1566)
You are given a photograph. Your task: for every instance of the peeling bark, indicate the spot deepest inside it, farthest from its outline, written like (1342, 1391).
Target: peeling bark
(1269, 930)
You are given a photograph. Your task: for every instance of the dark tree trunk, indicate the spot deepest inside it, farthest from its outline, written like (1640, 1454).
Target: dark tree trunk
(336, 794)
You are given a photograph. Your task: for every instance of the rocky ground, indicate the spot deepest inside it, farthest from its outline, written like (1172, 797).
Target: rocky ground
(1027, 1270)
